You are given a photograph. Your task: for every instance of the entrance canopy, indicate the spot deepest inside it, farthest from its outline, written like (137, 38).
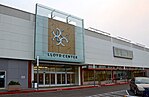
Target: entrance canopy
(61, 63)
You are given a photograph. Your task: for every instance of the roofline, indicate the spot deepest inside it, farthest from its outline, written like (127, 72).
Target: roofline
(16, 9)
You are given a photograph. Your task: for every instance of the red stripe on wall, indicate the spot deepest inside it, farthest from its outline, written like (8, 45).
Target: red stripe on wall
(29, 74)
(81, 76)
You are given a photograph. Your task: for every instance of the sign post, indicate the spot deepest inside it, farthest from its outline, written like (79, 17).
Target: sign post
(37, 72)
(94, 74)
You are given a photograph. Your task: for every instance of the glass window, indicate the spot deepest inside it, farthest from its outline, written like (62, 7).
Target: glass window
(99, 75)
(63, 79)
(58, 78)
(52, 78)
(47, 78)
(68, 78)
(40, 78)
(88, 75)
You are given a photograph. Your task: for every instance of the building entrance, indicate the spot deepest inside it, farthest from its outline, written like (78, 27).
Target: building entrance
(2, 79)
(55, 79)
(56, 75)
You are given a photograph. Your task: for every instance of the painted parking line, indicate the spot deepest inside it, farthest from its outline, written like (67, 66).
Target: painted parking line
(111, 94)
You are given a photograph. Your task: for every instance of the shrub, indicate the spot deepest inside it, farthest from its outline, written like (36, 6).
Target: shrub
(14, 83)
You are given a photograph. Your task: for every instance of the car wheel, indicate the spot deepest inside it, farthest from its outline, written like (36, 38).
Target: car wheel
(135, 92)
(131, 89)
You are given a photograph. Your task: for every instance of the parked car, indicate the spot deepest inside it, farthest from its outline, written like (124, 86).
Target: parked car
(139, 85)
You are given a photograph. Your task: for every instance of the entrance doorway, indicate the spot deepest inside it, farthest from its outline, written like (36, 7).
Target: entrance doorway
(2, 79)
(56, 75)
(55, 79)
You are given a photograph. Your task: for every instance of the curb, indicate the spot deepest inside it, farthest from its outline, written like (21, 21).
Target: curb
(47, 90)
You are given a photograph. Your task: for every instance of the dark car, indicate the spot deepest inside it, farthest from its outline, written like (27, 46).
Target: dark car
(140, 85)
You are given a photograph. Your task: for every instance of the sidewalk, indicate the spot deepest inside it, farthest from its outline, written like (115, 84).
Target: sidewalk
(30, 90)
(112, 84)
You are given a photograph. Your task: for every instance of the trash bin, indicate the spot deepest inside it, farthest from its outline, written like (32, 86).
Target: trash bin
(34, 85)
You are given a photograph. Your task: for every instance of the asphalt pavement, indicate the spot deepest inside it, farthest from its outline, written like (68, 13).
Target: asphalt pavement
(105, 91)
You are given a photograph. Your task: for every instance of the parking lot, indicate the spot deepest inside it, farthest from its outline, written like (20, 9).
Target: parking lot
(120, 93)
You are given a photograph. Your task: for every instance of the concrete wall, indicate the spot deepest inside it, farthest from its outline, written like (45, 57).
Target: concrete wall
(99, 50)
(16, 34)
(16, 70)
(17, 42)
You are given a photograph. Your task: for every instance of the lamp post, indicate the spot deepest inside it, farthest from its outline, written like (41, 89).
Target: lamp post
(37, 72)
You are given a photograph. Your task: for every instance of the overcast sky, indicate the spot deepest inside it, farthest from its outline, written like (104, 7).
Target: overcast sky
(125, 18)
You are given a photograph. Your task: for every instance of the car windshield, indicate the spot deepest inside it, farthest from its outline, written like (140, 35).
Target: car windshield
(142, 81)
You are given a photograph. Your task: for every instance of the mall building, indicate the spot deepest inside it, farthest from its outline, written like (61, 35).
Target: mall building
(52, 48)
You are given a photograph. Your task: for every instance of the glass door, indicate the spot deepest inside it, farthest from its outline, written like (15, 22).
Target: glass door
(63, 79)
(41, 78)
(47, 78)
(52, 78)
(55, 79)
(70, 78)
(2, 79)
(59, 79)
